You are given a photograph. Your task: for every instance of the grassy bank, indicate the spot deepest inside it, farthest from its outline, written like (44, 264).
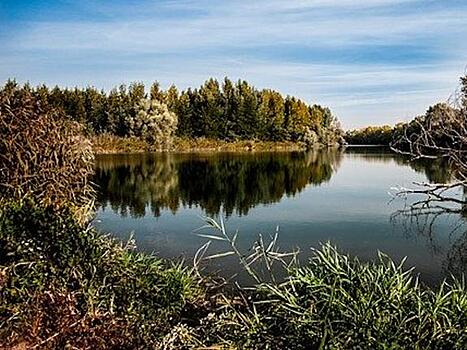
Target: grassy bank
(63, 285)
(108, 144)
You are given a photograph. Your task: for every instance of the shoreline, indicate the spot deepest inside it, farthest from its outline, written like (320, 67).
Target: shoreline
(106, 144)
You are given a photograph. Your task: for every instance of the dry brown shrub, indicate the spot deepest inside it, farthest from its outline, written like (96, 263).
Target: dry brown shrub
(54, 319)
(43, 154)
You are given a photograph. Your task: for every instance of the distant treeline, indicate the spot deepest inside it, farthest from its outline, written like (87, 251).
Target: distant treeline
(228, 111)
(387, 135)
(371, 135)
(435, 119)
(442, 126)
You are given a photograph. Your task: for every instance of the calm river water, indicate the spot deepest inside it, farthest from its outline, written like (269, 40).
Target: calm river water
(313, 197)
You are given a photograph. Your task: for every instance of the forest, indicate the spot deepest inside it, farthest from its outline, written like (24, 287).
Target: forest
(221, 111)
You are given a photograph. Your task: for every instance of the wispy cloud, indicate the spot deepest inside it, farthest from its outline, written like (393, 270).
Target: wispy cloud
(370, 61)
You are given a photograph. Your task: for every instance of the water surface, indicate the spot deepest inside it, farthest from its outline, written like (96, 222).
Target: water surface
(313, 197)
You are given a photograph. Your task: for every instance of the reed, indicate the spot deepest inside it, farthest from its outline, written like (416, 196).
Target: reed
(43, 155)
(338, 302)
(62, 284)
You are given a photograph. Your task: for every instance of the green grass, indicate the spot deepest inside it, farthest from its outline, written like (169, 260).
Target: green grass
(335, 301)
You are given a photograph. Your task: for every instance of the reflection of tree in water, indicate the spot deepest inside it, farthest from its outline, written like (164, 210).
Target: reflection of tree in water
(129, 183)
(231, 182)
(242, 182)
(456, 261)
(435, 170)
(421, 218)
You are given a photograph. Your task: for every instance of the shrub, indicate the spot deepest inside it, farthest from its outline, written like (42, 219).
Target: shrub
(153, 122)
(43, 155)
(108, 143)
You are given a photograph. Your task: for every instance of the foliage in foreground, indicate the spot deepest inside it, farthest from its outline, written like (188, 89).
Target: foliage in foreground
(338, 302)
(62, 284)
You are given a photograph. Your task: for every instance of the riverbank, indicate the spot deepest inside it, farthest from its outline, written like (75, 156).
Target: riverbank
(108, 144)
(65, 285)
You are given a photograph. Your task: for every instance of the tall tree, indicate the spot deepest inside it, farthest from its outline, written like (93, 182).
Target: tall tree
(211, 109)
(230, 106)
(247, 113)
(271, 115)
(156, 93)
(221, 111)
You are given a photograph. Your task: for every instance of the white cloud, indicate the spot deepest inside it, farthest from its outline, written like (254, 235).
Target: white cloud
(239, 29)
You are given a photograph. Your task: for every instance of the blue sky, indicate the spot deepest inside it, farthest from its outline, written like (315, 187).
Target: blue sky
(371, 62)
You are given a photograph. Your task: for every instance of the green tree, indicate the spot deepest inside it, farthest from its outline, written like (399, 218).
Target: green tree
(230, 106)
(271, 115)
(171, 99)
(210, 109)
(228, 111)
(185, 114)
(156, 92)
(246, 120)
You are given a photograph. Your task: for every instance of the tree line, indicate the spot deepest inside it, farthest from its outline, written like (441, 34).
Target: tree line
(370, 135)
(224, 110)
